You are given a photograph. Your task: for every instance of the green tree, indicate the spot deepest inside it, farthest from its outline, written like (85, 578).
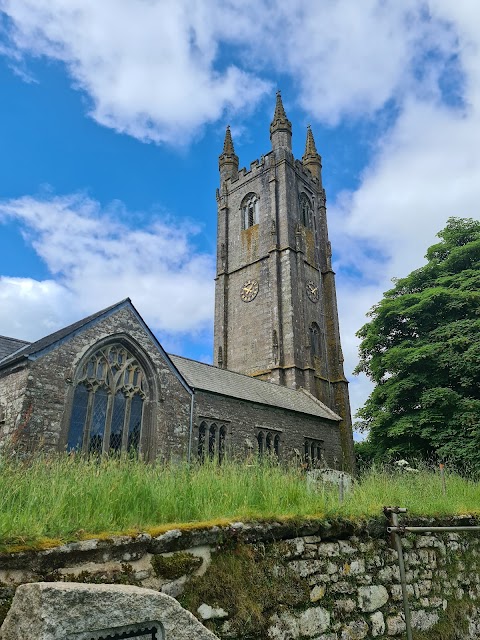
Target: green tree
(421, 348)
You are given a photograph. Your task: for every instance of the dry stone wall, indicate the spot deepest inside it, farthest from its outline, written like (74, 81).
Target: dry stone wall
(317, 580)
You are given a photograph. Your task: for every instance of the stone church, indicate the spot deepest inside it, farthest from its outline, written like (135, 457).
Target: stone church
(277, 386)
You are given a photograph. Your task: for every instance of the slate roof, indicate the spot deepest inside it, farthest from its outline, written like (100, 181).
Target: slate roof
(228, 383)
(10, 345)
(25, 349)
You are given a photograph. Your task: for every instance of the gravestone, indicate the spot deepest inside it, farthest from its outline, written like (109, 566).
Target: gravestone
(74, 611)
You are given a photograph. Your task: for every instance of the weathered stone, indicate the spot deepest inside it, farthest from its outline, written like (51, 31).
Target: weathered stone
(372, 598)
(378, 624)
(355, 630)
(347, 605)
(206, 612)
(424, 620)
(395, 624)
(283, 627)
(313, 621)
(329, 549)
(60, 611)
(317, 592)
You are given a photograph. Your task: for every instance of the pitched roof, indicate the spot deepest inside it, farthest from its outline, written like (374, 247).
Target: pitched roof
(10, 345)
(228, 383)
(26, 349)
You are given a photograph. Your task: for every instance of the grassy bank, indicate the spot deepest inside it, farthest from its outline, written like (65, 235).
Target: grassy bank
(65, 498)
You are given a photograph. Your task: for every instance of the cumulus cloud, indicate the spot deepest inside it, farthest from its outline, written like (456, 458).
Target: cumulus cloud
(159, 70)
(148, 67)
(96, 259)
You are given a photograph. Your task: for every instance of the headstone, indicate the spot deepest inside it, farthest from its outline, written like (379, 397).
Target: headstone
(316, 478)
(74, 611)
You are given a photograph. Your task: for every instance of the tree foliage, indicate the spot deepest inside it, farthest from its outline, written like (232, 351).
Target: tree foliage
(421, 348)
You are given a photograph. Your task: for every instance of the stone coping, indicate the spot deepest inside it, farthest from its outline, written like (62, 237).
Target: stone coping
(130, 548)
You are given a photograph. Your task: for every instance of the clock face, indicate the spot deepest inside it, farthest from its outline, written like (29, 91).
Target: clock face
(249, 290)
(312, 291)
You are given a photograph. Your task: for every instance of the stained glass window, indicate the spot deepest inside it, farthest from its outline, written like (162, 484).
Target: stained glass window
(108, 401)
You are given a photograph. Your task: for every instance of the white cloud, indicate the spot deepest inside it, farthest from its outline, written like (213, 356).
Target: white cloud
(96, 259)
(156, 69)
(149, 67)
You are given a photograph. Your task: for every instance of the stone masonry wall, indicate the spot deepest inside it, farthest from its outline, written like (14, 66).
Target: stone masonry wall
(47, 388)
(12, 397)
(317, 580)
(243, 421)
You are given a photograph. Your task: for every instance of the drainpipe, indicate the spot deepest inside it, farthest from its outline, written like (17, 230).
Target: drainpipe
(190, 432)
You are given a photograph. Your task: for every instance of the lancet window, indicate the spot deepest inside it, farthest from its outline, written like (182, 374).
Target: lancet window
(211, 441)
(315, 340)
(250, 210)
(108, 402)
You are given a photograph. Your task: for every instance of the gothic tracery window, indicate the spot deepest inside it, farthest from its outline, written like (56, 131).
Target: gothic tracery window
(250, 210)
(108, 401)
(306, 211)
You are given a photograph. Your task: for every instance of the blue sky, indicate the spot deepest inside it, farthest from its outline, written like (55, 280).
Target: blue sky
(112, 117)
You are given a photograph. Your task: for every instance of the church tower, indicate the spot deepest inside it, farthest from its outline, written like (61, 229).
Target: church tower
(275, 300)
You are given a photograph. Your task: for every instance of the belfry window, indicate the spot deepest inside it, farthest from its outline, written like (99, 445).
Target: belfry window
(108, 401)
(306, 211)
(250, 210)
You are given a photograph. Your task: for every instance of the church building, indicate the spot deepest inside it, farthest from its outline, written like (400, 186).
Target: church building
(277, 386)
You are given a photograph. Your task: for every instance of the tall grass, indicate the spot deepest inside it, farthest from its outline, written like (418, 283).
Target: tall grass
(66, 498)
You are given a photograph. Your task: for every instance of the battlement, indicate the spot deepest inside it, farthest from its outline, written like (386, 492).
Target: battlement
(306, 173)
(256, 168)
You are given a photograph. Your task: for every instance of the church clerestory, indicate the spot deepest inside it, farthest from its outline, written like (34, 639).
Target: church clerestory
(277, 387)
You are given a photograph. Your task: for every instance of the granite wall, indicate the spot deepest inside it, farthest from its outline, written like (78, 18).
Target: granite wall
(319, 580)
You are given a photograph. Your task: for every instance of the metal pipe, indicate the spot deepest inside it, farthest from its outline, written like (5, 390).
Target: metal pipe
(190, 433)
(402, 529)
(401, 566)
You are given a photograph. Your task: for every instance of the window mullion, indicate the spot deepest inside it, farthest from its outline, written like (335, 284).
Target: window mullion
(108, 422)
(126, 422)
(88, 420)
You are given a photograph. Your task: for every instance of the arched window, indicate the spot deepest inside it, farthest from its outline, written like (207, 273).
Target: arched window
(250, 210)
(107, 410)
(260, 444)
(313, 453)
(306, 211)
(212, 436)
(276, 445)
(268, 443)
(202, 429)
(221, 444)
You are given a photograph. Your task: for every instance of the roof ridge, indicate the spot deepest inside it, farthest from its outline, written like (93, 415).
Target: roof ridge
(29, 347)
(14, 339)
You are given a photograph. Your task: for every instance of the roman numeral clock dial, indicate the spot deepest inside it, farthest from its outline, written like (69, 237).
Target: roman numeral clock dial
(249, 290)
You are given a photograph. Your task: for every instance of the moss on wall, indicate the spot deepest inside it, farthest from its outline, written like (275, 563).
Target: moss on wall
(250, 584)
(176, 565)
